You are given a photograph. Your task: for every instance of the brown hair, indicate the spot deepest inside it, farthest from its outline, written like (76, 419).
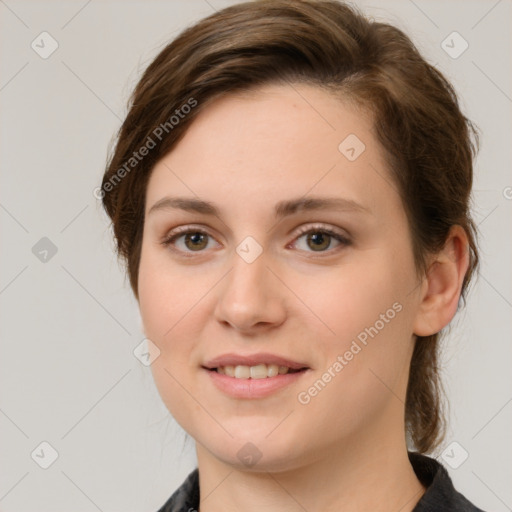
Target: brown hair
(428, 142)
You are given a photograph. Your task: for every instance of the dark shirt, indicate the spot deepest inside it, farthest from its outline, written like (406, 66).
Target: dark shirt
(440, 494)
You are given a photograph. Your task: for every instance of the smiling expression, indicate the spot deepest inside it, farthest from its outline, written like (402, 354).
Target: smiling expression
(261, 236)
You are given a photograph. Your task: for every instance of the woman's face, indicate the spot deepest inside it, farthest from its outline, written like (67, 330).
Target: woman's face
(330, 288)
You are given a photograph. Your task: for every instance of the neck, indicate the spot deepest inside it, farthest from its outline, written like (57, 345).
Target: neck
(374, 475)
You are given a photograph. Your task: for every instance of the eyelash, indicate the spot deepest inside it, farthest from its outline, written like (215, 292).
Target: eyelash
(179, 232)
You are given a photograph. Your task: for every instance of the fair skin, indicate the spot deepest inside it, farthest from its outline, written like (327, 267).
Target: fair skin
(303, 299)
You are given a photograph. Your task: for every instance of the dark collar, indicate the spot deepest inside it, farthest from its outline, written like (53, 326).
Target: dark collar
(440, 495)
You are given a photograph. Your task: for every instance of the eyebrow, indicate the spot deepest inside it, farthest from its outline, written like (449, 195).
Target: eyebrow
(282, 209)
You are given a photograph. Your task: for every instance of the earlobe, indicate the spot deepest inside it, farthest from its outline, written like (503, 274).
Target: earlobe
(443, 284)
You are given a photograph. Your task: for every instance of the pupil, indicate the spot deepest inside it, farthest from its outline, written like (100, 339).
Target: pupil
(195, 238)
(318, 238)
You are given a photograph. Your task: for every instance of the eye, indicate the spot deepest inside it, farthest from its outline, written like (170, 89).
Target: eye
(187, 240)
(319, 238)
(194, 240)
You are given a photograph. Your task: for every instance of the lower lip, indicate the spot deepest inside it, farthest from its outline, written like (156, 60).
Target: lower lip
(253, 388)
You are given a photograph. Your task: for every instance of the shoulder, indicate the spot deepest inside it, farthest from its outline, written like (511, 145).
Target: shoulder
(186, 497)
(440, 494)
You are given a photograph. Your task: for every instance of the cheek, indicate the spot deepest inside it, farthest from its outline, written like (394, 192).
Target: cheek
(164, 302)
(370, 311)
(164, 296)
(364, 370)
(349, 300)
(170, 304)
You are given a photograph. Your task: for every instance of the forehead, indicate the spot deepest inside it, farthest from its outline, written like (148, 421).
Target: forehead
(274, 141)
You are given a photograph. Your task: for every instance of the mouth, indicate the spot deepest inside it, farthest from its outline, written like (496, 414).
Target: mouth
(253, 376)
(260, 371)
(254, 366)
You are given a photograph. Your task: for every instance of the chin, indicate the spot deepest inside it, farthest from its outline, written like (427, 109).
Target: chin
(260, 452)
(251, 459)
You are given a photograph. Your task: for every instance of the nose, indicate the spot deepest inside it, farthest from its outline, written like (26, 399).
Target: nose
(251, 298)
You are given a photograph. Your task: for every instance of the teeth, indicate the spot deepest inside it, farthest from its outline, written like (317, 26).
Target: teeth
(242, 372)
(260, 371)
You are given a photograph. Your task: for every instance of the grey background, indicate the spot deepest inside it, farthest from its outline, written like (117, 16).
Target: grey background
(69, 325)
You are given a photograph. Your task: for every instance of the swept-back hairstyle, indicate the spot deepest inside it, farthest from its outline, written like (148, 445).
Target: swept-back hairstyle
(429, 144)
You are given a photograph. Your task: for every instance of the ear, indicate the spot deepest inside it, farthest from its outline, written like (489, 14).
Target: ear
(442, 284)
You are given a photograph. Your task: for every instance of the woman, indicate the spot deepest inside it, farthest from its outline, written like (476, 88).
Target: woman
(290, 193)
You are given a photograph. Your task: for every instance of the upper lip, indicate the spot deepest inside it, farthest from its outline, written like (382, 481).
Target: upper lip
(252, 360)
